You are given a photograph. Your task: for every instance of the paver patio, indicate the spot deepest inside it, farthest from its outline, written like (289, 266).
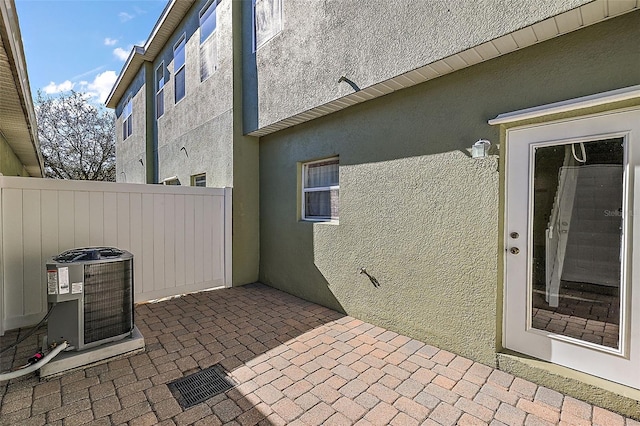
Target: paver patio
(294, 362)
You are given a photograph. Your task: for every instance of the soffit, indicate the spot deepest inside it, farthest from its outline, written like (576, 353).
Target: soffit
(169, 20)
(583, 16)
(17, 116)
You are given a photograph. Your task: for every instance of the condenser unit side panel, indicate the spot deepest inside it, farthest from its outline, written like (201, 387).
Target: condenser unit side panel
(63, 323)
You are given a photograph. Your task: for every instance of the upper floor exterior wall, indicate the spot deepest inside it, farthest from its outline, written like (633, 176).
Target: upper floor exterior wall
(19, 146)
(179, 136)
(201, 122)
(131, 151)
(371, 42)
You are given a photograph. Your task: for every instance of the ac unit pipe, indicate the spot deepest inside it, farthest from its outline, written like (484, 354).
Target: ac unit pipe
(30, 369)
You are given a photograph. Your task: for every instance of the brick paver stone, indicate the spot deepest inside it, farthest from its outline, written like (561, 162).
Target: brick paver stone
(381, 414)
(318, 414)
(445, 414)
(510, 415)
(349, 408)
(550, 397)
(287, 409)
(603, 417)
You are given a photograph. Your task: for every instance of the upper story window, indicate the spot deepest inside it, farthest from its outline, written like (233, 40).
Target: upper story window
(127, 119)
(178, 69)
(208, 40)
(160, 90)
(320, 190)
(267, 20)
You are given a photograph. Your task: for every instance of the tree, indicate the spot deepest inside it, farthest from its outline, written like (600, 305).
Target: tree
(76, 138)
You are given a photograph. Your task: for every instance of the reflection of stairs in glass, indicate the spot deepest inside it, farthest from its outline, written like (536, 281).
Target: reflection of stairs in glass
(593, 245)
(584, 232)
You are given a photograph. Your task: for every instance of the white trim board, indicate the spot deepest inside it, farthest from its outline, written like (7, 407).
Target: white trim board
(618, 95)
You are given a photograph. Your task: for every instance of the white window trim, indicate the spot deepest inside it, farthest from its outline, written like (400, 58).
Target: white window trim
(161, 89)
(316, 189)
(183, 38)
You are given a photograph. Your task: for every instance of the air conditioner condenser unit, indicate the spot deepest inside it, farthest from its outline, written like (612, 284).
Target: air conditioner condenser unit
(92, 289)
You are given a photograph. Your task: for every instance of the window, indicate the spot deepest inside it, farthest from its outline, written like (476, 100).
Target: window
(208, 40)
(267, 20)
(127, 120)
(178, 67)
(160, 91)
(199, 180)
(320, 188)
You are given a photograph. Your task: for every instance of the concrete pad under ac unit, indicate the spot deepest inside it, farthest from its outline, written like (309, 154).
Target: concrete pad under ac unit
(67, 361)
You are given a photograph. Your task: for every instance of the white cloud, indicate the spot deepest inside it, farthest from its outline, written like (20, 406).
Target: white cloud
(101, 86)
(124, 16)
(121, 53)
(110, 41)
(53, 88)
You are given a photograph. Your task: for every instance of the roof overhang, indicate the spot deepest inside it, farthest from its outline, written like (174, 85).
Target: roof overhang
(17, 115)
(563, 23)
(169, 20)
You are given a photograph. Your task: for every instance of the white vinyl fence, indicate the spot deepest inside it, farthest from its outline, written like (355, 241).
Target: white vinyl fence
(180, 237)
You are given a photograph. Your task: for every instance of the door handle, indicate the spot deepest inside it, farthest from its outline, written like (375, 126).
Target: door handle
(514, 250)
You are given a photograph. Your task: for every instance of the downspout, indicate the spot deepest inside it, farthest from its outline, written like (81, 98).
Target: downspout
(151, 125)
(246, 186)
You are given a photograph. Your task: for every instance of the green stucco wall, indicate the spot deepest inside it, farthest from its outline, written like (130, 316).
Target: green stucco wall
(10, 165)
(415, 210)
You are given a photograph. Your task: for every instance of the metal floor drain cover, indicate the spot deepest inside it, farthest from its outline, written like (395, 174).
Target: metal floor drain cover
(197, 387)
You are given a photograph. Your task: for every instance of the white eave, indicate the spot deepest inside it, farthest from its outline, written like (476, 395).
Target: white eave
(17, 115)
(572, 20)
(165, 26)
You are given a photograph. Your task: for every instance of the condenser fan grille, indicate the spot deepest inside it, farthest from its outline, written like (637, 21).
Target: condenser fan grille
(107, 300)
(90, 253)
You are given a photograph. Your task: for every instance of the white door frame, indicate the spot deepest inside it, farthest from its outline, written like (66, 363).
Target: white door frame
(619, 365)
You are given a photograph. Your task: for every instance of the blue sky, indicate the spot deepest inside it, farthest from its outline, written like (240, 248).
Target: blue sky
(82, 44)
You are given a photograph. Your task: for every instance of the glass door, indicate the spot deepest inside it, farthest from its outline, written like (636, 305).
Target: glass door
(569, 219)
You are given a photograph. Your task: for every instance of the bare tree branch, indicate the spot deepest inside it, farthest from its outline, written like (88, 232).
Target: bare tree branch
(77, 139)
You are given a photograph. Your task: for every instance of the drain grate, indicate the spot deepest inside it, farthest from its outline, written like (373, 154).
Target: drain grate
(197, 387)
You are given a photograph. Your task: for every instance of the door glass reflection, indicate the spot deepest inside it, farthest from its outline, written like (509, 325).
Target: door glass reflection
(577, 240)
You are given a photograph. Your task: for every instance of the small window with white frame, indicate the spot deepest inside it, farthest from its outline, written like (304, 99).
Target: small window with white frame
(160, 90)
(320, 190)
(199, 180)
(127, 119)
(267, 21)
(178, 69)
(208, 40)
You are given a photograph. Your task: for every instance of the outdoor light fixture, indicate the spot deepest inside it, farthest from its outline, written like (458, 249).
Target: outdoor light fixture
(480, 149)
